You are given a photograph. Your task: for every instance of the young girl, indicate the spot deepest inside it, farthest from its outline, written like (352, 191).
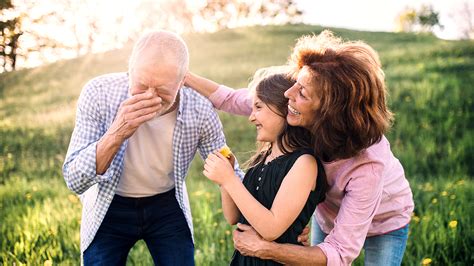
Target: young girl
(285, 181)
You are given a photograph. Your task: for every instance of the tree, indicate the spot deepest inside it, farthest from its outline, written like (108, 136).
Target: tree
(10, 32)
(69, 28)
(428, 18)
(220, 14)
(424, 19)
(65, 29)
(406, 20)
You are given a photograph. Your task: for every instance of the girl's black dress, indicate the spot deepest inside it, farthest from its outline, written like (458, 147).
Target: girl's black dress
(263, 182)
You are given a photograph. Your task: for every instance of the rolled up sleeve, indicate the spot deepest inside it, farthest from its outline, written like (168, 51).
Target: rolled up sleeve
(212, 138)
(79, 168)
(358, 207)
(237, 102)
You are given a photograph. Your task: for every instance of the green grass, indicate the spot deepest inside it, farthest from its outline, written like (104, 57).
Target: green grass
(431, 92)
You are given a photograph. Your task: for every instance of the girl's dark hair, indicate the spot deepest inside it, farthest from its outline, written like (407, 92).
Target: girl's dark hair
(270, 90)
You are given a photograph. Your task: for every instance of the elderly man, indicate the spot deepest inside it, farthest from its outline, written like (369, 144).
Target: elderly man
(135, 136)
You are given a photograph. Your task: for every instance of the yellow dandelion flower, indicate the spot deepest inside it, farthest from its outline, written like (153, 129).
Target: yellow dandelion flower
(428, 187)
(222, 241)
(28, 196)
(434, 201)
(48, 263)
(198, 193)
(426, 261)
(72, 198)
(227, 232)
(416, 219)
(226, 151)
(34, 188)
(460, 182)
(452, 197)
(453, 224)
(215, 224)
(444, 193)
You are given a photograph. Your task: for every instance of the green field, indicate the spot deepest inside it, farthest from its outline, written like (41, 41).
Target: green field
(431, 85)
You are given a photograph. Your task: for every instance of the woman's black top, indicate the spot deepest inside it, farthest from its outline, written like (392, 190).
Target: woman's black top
(263, 182)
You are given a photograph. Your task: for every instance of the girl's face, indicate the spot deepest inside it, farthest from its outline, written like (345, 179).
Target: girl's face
(269, 124)
(302, 101)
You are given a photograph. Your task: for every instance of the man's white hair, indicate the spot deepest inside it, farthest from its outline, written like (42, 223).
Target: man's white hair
(160, 47)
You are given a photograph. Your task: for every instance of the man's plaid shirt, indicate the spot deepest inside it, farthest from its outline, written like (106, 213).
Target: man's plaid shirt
(197, 128)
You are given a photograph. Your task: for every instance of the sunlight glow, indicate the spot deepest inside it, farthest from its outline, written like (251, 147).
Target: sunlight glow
(113, 23)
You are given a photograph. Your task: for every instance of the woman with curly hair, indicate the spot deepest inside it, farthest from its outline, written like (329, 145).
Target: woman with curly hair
(340, 97)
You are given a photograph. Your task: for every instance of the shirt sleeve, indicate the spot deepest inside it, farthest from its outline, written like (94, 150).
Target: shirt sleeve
(237, 102)
(358, 208)
(79, 168)
(212, 138)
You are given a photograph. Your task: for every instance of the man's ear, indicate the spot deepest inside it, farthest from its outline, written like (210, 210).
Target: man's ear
(181, 83)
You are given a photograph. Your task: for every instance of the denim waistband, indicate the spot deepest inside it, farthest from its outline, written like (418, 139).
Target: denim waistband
(142, 201)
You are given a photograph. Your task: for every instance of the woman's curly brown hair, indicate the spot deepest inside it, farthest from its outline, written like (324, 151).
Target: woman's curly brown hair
(348, 79)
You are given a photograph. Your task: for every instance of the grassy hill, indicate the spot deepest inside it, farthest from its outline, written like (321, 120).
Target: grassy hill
(431, 93)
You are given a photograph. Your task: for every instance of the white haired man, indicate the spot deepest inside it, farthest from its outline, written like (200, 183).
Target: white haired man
(135, 136)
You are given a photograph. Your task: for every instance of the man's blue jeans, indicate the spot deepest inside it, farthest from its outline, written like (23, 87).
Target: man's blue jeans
(386, 249)
(158, 220)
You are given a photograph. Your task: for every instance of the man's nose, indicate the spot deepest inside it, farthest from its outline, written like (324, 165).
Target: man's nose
(153, 91)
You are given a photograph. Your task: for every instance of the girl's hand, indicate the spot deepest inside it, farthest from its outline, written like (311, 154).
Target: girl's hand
(218, 169)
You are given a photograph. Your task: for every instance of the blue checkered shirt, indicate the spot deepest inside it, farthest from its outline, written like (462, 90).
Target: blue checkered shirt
(197, 128)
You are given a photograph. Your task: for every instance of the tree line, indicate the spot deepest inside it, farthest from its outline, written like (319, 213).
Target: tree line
(54, 28)
(44, 30)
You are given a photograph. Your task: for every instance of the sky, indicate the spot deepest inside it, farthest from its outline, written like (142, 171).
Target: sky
(376, 15)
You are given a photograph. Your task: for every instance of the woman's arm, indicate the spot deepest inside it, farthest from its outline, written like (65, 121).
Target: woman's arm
(363, 194)
(230, 210)
(237, 102)
(249, 243)
(288, 203)
(202, 85)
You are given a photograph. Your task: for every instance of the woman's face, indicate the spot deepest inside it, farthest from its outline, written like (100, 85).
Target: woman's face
(302, 101)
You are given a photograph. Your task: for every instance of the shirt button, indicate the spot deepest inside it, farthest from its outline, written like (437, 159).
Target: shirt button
(257, 187)
(260, 178)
